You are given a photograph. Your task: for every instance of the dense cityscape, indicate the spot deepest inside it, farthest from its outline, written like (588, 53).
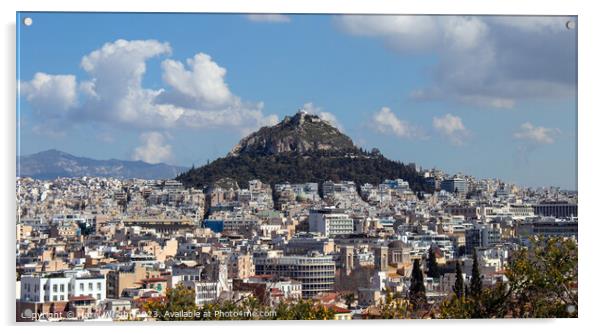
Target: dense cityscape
(232, 166)
(94, 248)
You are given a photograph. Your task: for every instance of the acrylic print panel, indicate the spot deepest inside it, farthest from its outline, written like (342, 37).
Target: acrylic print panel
(278, 166)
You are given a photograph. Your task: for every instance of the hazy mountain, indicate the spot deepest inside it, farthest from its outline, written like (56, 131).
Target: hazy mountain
(53, 163)
(302, 148)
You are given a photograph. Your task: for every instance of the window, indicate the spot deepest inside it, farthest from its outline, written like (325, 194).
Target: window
(98, 286)
(62, 287)
(54, 288)
(90, 286)
(98, 296)
(54, 298)
(81, 286)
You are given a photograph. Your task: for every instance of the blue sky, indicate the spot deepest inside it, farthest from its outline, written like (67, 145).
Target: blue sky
(486, 96)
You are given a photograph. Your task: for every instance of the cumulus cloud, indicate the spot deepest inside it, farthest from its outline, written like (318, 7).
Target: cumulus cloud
(114, 92)
(203, 80)
(310, 108)
(484, 61)
(533, 23)
(269, 18)
(536, 134)
(386, 122)
(451, 127)
(51, 95)
(400, 32)
(196, 94)
(153, 149)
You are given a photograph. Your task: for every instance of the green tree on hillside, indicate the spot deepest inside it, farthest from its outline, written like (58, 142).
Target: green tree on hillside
(432, 265)
(542, 283)
(417, 293)
(459, 283)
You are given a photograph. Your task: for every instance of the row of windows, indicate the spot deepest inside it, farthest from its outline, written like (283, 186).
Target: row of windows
(61, 287)
(91, 286)
(61, 297)
(295, 268)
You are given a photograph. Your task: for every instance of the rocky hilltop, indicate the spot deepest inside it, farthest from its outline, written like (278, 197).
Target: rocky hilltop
(301, 148)
(301, 133)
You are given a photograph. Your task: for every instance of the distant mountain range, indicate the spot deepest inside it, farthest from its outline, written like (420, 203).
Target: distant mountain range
(53, 163)
(301, 148)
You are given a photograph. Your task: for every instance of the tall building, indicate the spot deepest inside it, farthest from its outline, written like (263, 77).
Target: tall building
(455, 184)
(558, 209)
(330, 222)
(347, 261)
(240, 266)
(549, 227)
(316, 272)
(381, 258)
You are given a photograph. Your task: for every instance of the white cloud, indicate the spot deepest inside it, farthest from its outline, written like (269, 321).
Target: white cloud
(404, 33)
(451, 127)
(88, 88)
(203, 81)
(269, 18)
(310, 108)
(463, 33)
(51, 95)
(533, 23)
(484, 61)
(196, 95)
(417, 32)
(536, 134)
(116, 71)
(153, 149)
(386, 122)
(488, 101)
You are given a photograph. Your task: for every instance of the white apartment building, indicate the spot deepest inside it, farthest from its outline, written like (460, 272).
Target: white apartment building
(316, 272)
(204, 292)
(330, 222)
(61, 286)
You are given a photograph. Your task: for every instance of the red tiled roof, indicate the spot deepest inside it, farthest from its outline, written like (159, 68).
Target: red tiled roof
(80, 298)
(337, 309)
(261, 276)
(154, 279)
(326, 296)
(141, 300)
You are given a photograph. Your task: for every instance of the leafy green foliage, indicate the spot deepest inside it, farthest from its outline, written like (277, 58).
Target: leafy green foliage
(542, 283)
(432, 266)
(459, 283)
(417, 293)
(393, 307)
(317, 166)
(303, 310)
(179, 305)
(476, 286)
(543, 279)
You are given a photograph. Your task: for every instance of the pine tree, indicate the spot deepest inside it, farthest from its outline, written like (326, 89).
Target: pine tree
(433, 267)
(476, 286)
(417, 290)
(459, 285)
